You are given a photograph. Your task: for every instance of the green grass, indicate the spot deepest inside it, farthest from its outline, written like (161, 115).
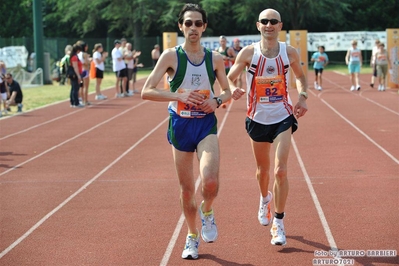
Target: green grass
(366, 69)
(35, 97)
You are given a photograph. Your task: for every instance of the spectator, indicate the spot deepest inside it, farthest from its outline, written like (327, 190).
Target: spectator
(64, 63)
(119, 67)
(76, 78)
(155, 53)
(4, 94)
(134, 78)
(99, 57)
(16, 95)
(84, 57)
(3, 69)
(130, 57)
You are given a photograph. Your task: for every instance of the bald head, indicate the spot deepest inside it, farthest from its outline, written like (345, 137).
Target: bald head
(270, 13)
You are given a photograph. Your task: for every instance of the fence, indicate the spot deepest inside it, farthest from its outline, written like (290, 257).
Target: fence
(56, 46)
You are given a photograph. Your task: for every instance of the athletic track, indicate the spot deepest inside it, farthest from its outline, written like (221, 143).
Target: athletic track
(97, 186)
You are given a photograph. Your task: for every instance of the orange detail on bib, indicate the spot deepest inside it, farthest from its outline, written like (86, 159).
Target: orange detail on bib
(270, 89)
(192, 111)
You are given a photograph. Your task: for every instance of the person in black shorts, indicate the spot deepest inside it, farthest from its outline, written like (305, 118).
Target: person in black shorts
(16, 95)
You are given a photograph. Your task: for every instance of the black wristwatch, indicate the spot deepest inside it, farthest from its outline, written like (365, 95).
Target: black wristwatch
(218, 101)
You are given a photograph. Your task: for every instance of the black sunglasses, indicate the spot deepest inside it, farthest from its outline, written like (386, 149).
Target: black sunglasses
(197, 23)
(272, 21)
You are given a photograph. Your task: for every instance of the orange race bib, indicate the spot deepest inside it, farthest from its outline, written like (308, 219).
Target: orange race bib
(190, 111)
(270, 89)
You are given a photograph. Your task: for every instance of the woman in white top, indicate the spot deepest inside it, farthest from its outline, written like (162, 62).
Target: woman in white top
(99, 57)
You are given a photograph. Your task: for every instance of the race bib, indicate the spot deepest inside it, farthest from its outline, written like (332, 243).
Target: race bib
(270, 89)
(190, 111)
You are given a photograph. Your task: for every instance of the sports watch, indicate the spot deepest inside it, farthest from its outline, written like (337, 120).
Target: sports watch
(218, 101)
(304, 94)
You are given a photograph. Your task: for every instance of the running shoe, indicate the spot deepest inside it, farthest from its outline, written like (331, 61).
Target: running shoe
(190, 250)
(358, 88)
(264, 213)
(19, 107)
(209, 230)
(100, 97)
(315, 85)
(353, 88)
(278, 233)
(319, 88)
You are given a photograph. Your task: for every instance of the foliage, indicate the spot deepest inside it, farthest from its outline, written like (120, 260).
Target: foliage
(141, 18)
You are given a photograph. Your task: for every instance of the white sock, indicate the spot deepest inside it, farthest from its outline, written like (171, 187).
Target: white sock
(266, 199)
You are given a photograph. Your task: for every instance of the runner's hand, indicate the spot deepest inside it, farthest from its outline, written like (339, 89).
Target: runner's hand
(237, 93)
(300, 108)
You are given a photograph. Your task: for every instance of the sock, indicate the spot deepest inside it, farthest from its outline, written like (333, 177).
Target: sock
(279, 215)
(192, 235)
(266, 199)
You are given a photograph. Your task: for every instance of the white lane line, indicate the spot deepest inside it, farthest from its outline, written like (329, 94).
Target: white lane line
(47, 216)
(51, 120)
(316, 201)
(361, 132)
(179, 225)
(358, 129)
(73, 138)
(361, 96)
(41, 124)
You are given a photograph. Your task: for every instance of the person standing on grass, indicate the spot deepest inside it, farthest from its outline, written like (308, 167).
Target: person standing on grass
(271, 116)
(320, 60)
(99, 57)
(84, 57)
(16, 95)
(119, 67)
(192, 71)
(354, 61)
(76, 79)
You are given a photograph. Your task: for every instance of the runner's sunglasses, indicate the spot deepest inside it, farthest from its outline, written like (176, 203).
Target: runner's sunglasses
(272, 21)
(197, 23)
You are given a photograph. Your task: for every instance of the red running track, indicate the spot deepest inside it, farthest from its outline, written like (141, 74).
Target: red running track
(97, 186)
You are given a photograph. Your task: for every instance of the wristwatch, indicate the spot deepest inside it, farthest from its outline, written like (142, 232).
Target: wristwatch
(304, 94)
(218, 101)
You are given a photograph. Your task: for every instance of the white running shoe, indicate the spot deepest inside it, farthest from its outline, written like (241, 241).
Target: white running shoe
(278, 233)
(120, 95)
(358, 88)
(128, 94)
(190, 250)
(100, 97)
(315, 85)
(319, 88)
(209, 230)
(382, 88)
(264, 213)
(352, 88)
